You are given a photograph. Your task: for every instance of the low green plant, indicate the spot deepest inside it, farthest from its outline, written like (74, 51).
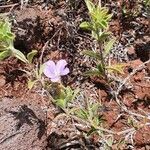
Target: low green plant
(65, 96)
(90, 114)
(35, 76)
(98, 25)
(147, 5)
(147, 2)
(7, 43)
(7, 49)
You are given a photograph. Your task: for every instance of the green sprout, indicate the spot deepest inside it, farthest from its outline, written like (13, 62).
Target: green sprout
(35, 76)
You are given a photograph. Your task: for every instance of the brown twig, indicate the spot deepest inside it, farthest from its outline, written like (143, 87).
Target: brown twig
(43, 50)
(11, 5)
(119, 102)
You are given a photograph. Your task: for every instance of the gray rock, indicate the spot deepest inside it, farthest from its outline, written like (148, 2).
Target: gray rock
(22, 125)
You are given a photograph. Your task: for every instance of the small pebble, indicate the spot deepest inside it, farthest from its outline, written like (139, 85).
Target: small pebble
(2, 81)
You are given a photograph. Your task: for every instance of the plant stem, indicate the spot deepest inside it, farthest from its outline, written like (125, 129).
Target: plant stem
(102, 58)
(99, 3)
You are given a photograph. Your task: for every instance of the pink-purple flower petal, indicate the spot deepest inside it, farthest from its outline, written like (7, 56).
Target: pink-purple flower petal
(56, 79)
(64, 72)
(49, 69)
(61, 64)
(55, 71)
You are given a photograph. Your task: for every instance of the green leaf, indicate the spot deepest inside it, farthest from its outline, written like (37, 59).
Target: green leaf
(89, 5)
(70, 94)
(6, 41)
(61, 103)
(4, 54)
(109, 17)
(94, 35)
(92, 54)
(94, 108)
(110, 141)
(31, 55)
(93, 73)
(147, 2)
(40, 71)
(103, 35)
(86, 25)
(65, 96)
(100, 68)
(101, 18)
(6, 38)
(81, 113)
(103, 24)
(108, 46)
(20, 55)
(31, 84)
(5, 30)
(62, 94)
(118, 68)
(92, 130)
(96, 121)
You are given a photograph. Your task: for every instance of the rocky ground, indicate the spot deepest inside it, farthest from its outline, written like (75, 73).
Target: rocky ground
(28, 119)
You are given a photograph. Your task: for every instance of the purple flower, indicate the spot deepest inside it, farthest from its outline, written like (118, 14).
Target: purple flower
(55, 71)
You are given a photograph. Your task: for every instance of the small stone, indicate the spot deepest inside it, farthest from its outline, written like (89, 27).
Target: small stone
(130, 50)
(147, 147)
(2, 81)
(135, 63)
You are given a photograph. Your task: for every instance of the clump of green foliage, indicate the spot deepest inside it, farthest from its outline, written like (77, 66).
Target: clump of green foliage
(62, 96)
(147, 2)
(91, 115)
(7, 43)
(147, 5)
(98, 25)
(7, 49)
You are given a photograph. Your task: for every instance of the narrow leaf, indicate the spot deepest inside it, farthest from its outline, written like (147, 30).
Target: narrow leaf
(81, 113)
(94, 108)
(100, 68)
(20, 55)
(31, 84)
(89, 5)
(61, 103)
(103, 24)
(92, 54)
(94, 35)
(103, 35)
(118, 68)
(85, 25)
(93, 73)
(92, 131)
(31, 55)
(4, 54)
(40, 71)
(96, 121)
(109, 46)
